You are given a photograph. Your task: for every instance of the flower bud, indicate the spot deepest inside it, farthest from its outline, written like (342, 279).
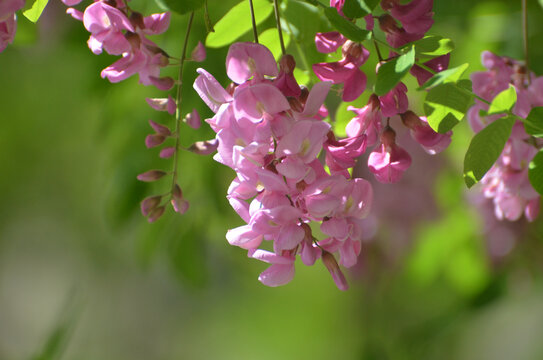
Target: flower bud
(389, 4)
(159, 128)
(134, 39)
(167, 152)
(193, 119)
(163, 104)
(352, 49)
(136, 19)
(179, 204)
(151, 175)
(374, 103)
(388, 136)
(154, 140)
(287, 63)
(331, 264)
(388, 24)
(204, 147)
(149, 204)
(164, 84)
(199, 53)
(156, 214)
(303, 96)
(295, 104)
(410, 120)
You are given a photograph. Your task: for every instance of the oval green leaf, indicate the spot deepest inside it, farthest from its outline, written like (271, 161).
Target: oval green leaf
(534, 122)
(446, 105)
(344, 26)
(535, 172)
(504, 101)
(485, 148)
(392, 72)
(449, 75)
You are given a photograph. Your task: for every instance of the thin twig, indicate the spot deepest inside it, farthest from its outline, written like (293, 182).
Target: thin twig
(255, 33)
(525, 38)
(178, 101)
(278, 22)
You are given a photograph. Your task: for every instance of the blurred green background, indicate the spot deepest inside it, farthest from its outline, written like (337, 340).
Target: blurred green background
(84, 276)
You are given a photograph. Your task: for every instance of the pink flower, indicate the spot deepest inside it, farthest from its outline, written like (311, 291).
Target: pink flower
(245, 60)
(199, 53)
(367, 121)
(395, 101)
(280, 272)
(106, 25)
(329, 42)
(390, 161)
(346, 71)
(431, 141)
(304, 140)
(415, 16)
(210, 90)
(285, 81)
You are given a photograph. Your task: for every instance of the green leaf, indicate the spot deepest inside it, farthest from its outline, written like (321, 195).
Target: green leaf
(445, 106)
(344, 26)
(270, 39)
(34, 13)
(353, 9)
(485, 148)
(534, 122)
(433, 45)
(535, 172)
(504, 101)
(446, 76)
(369, 5)
(237, 22)
(391, 72)
(181, 6)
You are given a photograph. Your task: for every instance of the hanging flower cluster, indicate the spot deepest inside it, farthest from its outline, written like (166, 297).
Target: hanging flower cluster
(507, 182)
(119, 30)
(270, 132)
(401, 24)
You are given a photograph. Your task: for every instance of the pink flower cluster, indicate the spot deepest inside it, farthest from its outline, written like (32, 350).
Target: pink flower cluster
(270, 132)
(8, 21)
(388, 161)
(121, 31)
(507, 182)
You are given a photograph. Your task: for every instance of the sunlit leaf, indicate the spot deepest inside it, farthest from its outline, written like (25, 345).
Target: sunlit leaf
(485, 148)
(535, 172)
(344, 26)
(392, 72)
(433, 45)
(270, 39)
(181, 6)
(34, 13)
(449, 75)
(237, 22)
(504, 101)
(533, 124)
(445, 106)
(353, 9)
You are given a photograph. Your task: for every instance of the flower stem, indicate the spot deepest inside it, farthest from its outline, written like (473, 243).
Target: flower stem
(255, 33)
(525, 38)
(278, 22)
(178, 116)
